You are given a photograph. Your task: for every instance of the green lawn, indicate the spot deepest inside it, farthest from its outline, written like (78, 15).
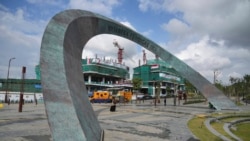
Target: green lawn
(243, 131)
(198, 128)
(218, 126)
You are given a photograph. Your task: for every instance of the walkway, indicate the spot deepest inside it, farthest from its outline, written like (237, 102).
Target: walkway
(130, 122)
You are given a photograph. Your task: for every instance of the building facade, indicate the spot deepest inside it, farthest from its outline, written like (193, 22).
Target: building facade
(12, 88)
(100, 74)
(155, 72)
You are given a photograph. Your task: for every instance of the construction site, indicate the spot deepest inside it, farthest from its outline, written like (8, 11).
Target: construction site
(101, 74)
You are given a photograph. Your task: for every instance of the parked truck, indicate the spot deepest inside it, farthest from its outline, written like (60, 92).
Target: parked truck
(101, 97)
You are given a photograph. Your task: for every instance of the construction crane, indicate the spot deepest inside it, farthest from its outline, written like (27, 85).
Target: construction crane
(120, 51)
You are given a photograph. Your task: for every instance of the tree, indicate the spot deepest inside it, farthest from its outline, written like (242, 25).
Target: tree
(168, 89)
(137, 82)
(220, 86)
(224, 88)
(190, 88)
(236, 84)
(246, 85)
(246, 79)
(240, 86)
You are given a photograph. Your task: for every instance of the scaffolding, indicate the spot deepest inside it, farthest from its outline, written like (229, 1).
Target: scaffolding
(155, 71)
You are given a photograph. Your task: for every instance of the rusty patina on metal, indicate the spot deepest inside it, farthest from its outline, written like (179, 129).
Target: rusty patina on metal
(69, 112)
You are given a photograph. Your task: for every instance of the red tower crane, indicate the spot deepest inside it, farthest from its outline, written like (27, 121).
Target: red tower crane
(120, 51)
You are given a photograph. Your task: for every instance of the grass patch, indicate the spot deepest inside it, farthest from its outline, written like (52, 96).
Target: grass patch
(218, 126)
(198, 128)
(239, 104)
(242, 131)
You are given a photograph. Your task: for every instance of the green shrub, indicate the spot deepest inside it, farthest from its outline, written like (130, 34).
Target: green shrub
(194, 101)
(247, 97)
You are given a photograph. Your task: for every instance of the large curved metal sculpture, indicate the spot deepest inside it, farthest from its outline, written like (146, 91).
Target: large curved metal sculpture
(69, 112)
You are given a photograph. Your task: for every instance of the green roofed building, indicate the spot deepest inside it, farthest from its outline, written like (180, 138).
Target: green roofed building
(158, 71)
(104, 73)
(100, 74)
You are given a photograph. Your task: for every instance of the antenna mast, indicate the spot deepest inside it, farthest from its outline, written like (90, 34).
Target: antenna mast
(144, 57)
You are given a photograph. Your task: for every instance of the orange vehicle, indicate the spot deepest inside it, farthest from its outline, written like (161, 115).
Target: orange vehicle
(101, 97)
(120, 94)
(127, 95)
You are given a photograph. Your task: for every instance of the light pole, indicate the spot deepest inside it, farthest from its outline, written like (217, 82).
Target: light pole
(7, 83)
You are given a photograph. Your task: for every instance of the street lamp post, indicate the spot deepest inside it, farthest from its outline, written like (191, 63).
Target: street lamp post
(7, 83)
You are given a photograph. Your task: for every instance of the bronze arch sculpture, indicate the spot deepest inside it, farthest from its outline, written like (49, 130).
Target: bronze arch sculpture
(69, 112)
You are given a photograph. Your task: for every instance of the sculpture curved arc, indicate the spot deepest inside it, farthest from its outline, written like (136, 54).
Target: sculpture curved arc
(69, 112)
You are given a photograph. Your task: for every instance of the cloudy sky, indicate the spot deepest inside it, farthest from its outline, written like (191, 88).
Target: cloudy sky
(208, 35)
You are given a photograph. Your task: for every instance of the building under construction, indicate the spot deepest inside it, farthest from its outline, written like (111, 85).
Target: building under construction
(157, 72)
(100, 73)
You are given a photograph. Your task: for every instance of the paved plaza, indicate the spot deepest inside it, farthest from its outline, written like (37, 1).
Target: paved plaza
(130, 122)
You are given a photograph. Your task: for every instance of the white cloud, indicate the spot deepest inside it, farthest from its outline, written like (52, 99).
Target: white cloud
(176, 27)
(3, 8)
(17, 22)
(147, 33)
(103, 7)
(102, 45)
(45, 2)
(128, 24)
(226, 20)
(145, 5)
(205, 57)
(207, 35)
(235, 75)
(201, 33)
(20, 38)
(202, 53)
(19, 34)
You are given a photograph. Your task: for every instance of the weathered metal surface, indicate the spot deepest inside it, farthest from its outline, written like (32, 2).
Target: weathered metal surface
(70, 114)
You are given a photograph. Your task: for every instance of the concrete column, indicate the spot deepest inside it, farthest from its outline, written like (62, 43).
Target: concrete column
(103, 80)
(89, 79)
